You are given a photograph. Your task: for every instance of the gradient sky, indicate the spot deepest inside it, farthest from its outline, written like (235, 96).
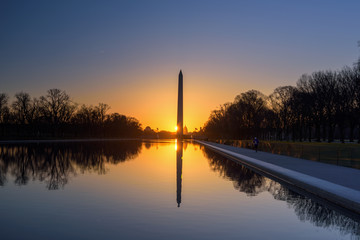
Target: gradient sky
(128, 53)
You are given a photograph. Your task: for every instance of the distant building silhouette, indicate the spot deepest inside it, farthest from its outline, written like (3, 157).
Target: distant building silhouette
(148, 129)
(185, 130)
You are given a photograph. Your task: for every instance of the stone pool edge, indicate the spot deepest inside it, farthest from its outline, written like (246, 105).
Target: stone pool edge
(340, 195)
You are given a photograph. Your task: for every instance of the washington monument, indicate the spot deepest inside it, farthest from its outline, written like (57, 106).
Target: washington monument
(180, 107)
(179, 151)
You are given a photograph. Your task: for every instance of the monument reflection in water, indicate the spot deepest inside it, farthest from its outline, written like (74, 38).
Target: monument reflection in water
(179, 162)
(125, 189)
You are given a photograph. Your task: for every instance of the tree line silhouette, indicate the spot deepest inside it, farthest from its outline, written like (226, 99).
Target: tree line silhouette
(56, 115)
(323, 106)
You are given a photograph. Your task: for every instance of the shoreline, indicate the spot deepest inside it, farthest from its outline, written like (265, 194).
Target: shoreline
(344, 194)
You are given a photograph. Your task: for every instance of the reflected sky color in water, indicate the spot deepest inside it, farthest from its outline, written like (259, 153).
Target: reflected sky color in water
(132, 190)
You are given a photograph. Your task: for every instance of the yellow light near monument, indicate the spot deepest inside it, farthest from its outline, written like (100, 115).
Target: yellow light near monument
(176, 128)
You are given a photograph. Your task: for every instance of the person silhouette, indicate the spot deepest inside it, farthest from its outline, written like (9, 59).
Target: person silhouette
(256, 143)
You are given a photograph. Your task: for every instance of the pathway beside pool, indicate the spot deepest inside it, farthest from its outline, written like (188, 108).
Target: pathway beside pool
(337, 184)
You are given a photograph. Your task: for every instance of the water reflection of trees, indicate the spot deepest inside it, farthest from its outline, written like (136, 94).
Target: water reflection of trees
(243, 178)
(54, 163)
(305, 208)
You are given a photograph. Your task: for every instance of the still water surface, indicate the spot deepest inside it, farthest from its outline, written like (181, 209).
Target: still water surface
(150, 190)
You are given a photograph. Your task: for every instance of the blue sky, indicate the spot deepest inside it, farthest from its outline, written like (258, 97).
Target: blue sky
(128, 53)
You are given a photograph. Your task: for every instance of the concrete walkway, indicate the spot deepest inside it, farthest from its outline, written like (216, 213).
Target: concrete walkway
(340, 185)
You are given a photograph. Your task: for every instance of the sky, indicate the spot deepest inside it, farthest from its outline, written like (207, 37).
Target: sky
(128, 54)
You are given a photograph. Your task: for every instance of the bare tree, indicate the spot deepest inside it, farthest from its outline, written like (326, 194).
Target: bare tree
(329, 88)
(253, 104)
(56, 106)
(57, 109)
(346, 106)
(215, 124)
(100, 112)
(4, 110)
(243, 118)
(356, 86)
(280, 102)
(23, 108)
(307, 104)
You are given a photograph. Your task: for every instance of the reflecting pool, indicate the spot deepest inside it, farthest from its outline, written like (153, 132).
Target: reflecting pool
(151, 190)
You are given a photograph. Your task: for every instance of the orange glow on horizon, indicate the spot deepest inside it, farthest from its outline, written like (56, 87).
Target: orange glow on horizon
(151, 98)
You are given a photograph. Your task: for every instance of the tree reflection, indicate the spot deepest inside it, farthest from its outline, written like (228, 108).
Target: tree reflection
(54, 163)
(243, 178)
(305, 208)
